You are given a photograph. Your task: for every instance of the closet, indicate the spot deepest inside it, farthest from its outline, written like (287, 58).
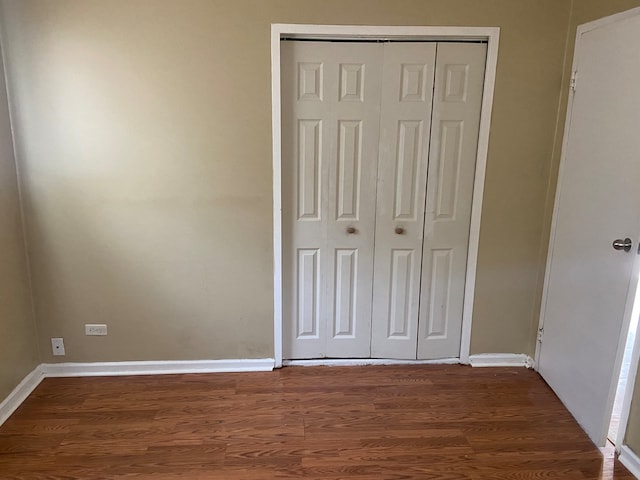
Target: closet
(379, 147)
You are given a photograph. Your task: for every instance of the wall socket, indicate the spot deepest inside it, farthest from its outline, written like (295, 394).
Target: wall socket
(95, 329)
(57, 345)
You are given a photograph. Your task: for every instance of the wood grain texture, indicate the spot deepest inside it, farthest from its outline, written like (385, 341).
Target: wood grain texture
(444, 422)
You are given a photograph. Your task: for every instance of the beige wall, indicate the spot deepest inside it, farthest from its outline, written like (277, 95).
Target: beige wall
(144, 133)
(18, 347)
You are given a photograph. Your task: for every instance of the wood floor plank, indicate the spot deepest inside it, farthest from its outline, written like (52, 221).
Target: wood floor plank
(439, 422)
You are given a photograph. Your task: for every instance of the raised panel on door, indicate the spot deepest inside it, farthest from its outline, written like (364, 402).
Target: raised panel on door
(307, 287)
(402, 178)
(330, 117)
(459, 78)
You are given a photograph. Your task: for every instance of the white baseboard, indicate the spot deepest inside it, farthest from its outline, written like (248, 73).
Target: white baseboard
(501, 360)
(99, 369)
(31, 381)
(351, 362)
(20, 393)
(630, 460)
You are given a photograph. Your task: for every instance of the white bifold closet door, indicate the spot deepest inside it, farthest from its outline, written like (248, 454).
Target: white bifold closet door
(428, 142)
(457, 101)
(378, 147)
(330, 127)
(403, 153)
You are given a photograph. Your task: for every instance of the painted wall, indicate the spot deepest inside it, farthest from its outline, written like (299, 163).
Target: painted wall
(18, 346)
(143, 131)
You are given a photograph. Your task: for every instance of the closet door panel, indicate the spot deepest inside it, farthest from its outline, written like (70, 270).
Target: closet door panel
(330, 118)
(306, 141)
(408, 74)
(351, 194)
(457, 101)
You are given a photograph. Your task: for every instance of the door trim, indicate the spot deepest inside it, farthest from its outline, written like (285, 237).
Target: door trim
(489, 34)
(628, 395)
(635, 357)
(629, 459)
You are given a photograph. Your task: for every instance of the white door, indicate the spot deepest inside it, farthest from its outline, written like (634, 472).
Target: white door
(422, 227)
(589, 284)
(402, 179)
(357, 142)
(331, 114)
(457, 101)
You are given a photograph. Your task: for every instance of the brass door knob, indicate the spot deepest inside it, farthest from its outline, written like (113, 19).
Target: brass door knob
(351, 230)
(399, 230)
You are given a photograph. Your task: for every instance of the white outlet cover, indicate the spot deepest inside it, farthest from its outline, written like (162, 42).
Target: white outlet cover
(57, 346)
(95, 329)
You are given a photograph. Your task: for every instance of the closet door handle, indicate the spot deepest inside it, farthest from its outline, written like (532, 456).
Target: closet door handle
(621, 244)
(351, 230)
(399, 230)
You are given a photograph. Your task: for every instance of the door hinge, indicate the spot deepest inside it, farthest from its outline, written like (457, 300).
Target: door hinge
(540, 334)
(572, 82)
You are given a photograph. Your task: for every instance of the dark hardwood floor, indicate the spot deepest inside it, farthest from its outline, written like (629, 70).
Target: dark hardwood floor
(446, 422)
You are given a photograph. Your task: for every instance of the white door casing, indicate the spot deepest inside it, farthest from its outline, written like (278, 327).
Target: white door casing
(457, 99)
(405, 124)
(330, 101)
(338, 32)
(589, 286)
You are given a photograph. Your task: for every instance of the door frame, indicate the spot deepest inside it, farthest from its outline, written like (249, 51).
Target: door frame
(629, 388)
(339, 32)
(635, 357)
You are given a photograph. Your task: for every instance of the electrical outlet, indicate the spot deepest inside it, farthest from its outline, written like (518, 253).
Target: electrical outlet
(57, 345)
(95, 329)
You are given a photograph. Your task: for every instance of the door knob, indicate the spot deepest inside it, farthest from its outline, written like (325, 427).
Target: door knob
(399, 230)
(620, 244)
(351, 230)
